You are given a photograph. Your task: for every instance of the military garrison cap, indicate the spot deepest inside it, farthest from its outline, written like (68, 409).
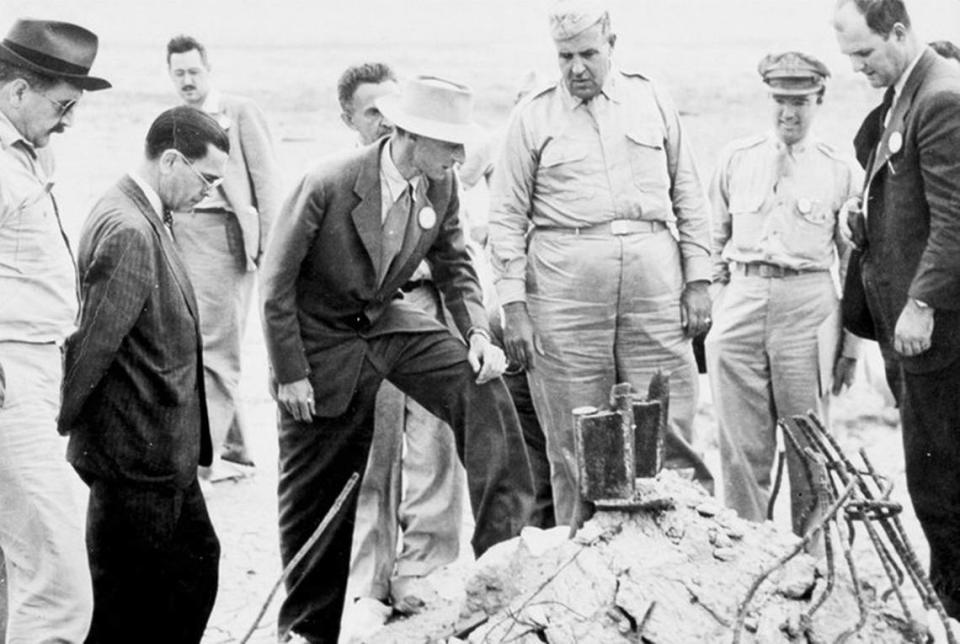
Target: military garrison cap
(793, 73)
(569, 18)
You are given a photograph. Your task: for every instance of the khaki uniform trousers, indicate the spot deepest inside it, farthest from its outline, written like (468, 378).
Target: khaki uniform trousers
(413, 484)
(50, 595)
(607, 310)
(762, 363)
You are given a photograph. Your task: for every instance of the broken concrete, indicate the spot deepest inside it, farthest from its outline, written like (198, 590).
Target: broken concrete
(673, 568)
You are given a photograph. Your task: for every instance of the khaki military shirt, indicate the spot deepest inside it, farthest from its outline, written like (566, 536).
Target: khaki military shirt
(573, 164)
(789, 221)
(38, 282)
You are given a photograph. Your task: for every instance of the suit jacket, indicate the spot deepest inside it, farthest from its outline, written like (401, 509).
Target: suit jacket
(912, 193)
(133, 390)
(252, 183)
(321, 295)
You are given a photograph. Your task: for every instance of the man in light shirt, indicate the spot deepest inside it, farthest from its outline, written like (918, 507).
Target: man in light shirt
(222, 240)
(597, 168)
(44, 70)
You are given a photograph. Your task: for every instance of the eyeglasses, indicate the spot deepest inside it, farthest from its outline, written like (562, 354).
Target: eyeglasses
(63, 107)
(210, 182)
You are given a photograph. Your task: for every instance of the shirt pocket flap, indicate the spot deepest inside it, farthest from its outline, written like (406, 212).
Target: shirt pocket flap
(745, 202)
(561, 152)
(648, 137)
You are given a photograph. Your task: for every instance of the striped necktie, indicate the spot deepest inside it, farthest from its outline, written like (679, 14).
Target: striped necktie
(394, 229)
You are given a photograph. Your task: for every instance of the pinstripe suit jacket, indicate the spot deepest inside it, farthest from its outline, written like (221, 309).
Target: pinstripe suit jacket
(133, 392)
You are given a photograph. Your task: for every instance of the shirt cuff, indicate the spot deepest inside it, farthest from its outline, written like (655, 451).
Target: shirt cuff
(697, 268)
(511, 290)
(851, 346)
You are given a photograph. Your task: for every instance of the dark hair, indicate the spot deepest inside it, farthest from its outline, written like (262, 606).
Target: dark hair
(946, 49)
(187, 130)
(10, 72)
(182, 44)
(882, 15)
(356, 75)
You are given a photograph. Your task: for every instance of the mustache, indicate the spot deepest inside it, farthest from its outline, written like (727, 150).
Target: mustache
(59, 128)
(187, 88)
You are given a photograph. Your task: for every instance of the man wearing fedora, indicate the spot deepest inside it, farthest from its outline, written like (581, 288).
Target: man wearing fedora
(413, 487)
(775, 200)
(222, 240)
(337, 325)
(594, 171)
(44, 70)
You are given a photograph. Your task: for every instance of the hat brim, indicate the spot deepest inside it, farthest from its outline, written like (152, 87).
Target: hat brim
(802, 91)
(462, 133)
(82, 81)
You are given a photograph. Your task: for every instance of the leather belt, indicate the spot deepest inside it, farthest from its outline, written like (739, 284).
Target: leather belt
(615, 227)
(413, 285)
(213, 211)
(762, 269)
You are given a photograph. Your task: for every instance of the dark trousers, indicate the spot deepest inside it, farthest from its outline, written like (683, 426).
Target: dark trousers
(154, 559)
(542, 514)
(318, 457)
(930, 411)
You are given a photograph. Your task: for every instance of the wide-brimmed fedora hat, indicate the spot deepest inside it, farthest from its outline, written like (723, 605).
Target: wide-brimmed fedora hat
(58, 49)
(432, 107)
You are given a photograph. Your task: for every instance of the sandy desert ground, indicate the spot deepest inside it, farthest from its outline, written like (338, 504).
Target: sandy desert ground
(287, 55)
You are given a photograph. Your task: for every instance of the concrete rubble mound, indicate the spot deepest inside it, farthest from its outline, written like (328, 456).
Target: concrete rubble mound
(672, 566)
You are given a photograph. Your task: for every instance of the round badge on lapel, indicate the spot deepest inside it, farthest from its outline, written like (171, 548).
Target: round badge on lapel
(895, 142)
(427, 218)
(804, 206)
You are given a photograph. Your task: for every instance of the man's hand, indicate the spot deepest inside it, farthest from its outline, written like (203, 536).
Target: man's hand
(844, 370)
(914, 329)
(851, 223)
(487, 360)
(695, 308)
(519, 338)
(296, 398)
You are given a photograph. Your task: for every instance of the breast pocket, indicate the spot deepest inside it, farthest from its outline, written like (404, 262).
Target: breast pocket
(648, 158)
(746, 221)
(566, 164)
(813, 225)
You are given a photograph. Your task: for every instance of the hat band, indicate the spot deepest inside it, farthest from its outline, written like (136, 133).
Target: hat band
(52, 63)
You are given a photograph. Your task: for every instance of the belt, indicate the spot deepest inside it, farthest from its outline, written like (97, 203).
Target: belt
(762, 269)
(213, 211)
(615, 227)
(413, 285)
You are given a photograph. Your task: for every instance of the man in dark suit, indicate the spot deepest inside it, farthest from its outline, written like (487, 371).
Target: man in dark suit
(133, 395)
(337, 325)
(907, 228)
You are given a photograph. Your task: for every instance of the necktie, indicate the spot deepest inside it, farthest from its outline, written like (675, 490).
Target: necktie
(885, 108)
(785, 165)
(394, 229)
(168, 221)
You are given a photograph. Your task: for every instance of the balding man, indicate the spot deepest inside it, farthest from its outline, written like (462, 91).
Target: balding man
(775, 201)
(597, 167)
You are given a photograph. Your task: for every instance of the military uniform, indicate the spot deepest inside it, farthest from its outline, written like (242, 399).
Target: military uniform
(603, 183)
(775, 239)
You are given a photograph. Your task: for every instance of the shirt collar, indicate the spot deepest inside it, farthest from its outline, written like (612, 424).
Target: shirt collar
(152, 197)
(797, 148)
(610, 90)
(211, 104)
(10, 135)
(390, 174)
(898, 86)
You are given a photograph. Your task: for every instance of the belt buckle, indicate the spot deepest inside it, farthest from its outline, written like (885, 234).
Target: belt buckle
(620, 227)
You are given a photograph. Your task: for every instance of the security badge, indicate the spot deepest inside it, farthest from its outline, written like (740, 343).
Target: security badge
(427, 218)
(895, 142)
(805, 207)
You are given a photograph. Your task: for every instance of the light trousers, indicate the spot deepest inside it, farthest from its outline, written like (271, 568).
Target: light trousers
(413, 484)
(50, 597)
(763, 365)
(211, 245)
(607, 310)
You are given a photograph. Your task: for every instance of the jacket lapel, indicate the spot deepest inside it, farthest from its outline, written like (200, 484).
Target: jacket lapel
(891, 142)
(132, 190)
(367, 214)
